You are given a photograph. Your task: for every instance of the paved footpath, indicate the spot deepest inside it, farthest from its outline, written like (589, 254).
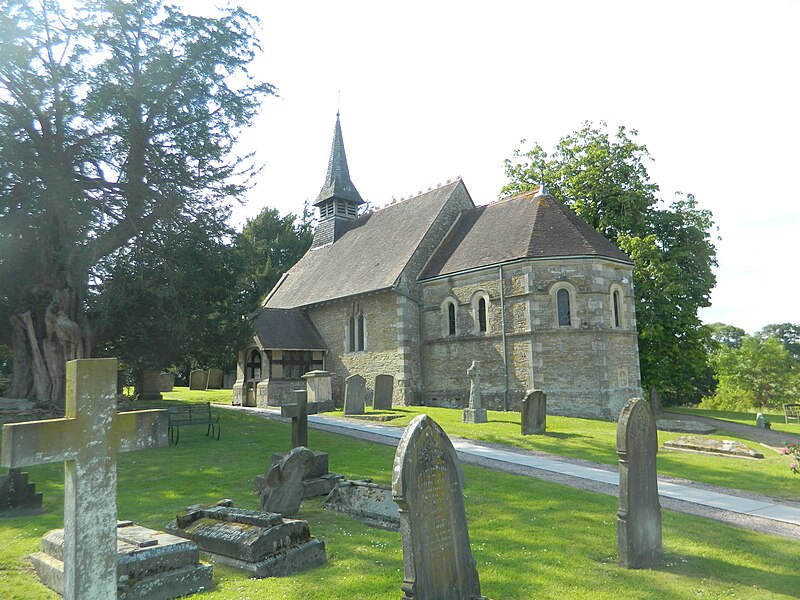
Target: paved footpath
(742, 509)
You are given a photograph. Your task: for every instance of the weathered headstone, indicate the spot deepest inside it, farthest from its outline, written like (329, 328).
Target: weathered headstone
(298, 411)
(384, 388)
(534, 413)
(214, 379)
(319, 388)
(260, 543)
(639, 514)
(655, 402)
(17, 495)
(475, 413)
(760, 421)
(167, 382)
(281, 488)
(150, 565)
(149, 385)
(198, 379)
(87, 440)
(354, 391)
(427, 485)
(368, 502)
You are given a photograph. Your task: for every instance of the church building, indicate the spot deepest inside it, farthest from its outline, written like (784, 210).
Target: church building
(423, 287)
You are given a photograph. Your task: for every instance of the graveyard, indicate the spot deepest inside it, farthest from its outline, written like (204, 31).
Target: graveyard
(529, 538)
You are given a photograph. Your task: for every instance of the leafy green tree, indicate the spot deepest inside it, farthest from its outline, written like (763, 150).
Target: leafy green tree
(268, 246)
(726, 335)
(603, 177)
(171, 298)
(116, 118)
(787, 333)
(761, 368)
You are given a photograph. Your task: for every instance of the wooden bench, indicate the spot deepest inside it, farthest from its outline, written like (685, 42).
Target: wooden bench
(187, 415)
(791, 411)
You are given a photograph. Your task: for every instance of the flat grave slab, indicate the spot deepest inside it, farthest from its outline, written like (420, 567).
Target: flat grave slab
(368, 502)
(712, 446)
(150, 565)
(263, 544)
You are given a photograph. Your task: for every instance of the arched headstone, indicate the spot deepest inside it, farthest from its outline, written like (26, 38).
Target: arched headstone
(354, 395)
(639, 513)
(427, 485)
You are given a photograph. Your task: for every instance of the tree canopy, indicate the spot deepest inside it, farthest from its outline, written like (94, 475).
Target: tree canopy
(117, 119)
(603, 177)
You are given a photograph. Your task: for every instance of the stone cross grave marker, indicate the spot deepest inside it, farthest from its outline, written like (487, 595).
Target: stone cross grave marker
(534, 412)
(298, 412)
(87, 440)
(475, 413)
(384, 387)
(354, 391)
(639, 513)
(427, 485)
(17, 495)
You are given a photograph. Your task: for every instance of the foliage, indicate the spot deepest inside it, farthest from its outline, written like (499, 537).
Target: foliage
(603, 178)
(115, 118)
(268, 246)
(761, 370)
(787, 333)
(726, 335)
(172, 298)
(514, 522)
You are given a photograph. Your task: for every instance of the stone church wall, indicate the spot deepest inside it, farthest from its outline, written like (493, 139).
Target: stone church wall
(589, 368)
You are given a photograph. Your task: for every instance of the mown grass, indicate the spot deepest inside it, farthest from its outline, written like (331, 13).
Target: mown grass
(595, 441)
(531, 539)
(776, 419)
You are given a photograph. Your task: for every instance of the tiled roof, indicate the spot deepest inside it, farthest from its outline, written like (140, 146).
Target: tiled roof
(286, 329)
(370, 255)
(337, 179)
(522, 226)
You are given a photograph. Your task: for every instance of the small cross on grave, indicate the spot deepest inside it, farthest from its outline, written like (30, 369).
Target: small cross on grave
(299, 411)
(87, 440)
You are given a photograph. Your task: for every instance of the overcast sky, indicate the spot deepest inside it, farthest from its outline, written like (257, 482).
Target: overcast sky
(429, 91)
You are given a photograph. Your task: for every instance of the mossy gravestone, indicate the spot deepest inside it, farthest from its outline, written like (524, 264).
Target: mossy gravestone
(427, 485)
(639, 514)
(87, 441)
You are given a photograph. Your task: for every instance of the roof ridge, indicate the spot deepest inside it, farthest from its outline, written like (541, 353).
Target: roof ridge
(421, 193)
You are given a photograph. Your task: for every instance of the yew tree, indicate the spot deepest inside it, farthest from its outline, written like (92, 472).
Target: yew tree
(116, 117)
(603, 177)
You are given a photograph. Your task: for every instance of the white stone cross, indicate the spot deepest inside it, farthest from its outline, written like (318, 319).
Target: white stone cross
(87, 440)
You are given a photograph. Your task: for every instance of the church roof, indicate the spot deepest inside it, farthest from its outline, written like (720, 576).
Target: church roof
(286, 329)
(369, 256)
(337, 179)
(526, 225)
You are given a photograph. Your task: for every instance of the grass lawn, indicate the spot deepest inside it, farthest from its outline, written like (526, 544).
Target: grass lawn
(595, 440)
(776, 419)
(530, 538)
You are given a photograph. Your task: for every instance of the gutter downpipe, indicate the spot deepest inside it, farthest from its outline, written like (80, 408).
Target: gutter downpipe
(503, 331)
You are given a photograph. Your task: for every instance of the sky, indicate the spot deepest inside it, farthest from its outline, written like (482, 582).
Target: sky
(429, 91)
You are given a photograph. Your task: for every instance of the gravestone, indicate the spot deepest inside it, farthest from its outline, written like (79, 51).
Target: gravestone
(384, 388)
(214, 379)
(639, 514)
(354, 392)
(298, 411)
(150, 385)
(281, 488)
(18, 496)
(475, 413)
(655, 402)
(319, 388)
(760, 423)
(151, 565)
(534, 413)
(167, 382)
(87, 440)
(198, 379)
(262, 544)
(427, 485)
(368, 502)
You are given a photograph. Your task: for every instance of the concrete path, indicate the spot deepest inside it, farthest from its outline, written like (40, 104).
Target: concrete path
(751, 511)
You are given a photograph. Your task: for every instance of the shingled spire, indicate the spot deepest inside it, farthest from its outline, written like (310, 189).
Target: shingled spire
(338, 200)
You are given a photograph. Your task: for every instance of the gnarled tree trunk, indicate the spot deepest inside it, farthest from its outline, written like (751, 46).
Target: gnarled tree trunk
(43, 341)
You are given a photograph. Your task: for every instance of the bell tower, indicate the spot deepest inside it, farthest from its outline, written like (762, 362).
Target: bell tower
(338, 200)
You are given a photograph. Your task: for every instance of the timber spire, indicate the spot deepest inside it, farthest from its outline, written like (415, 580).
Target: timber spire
(338, 200)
